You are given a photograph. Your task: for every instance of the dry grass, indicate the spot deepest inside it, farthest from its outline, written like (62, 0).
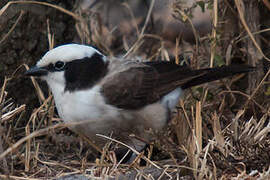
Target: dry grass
(198, 143)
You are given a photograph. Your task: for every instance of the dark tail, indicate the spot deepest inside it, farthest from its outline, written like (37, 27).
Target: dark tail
(213, 74)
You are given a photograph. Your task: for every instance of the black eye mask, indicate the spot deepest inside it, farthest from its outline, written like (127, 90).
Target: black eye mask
(84, 73)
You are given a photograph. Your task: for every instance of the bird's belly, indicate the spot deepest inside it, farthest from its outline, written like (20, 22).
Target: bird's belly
(87, 108)
(91, 115)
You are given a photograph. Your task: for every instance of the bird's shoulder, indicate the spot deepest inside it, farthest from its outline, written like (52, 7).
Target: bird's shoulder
(133, 84)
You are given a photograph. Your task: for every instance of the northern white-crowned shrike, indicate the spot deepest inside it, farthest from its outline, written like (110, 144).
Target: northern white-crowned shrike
(117, 97)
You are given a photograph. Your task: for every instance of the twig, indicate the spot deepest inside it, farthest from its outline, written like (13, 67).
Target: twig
(40, 132)
(266, 3)
(10, 114)
(214, 34)
(75, 16)
(12, 28)
(257, 88)
(132, 149)
(40, 94)
(141, 36)
(148, 16)
(242, 18)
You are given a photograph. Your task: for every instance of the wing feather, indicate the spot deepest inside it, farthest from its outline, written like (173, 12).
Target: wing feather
(140, 84)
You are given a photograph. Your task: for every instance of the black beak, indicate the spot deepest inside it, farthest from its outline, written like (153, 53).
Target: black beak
(36, 71)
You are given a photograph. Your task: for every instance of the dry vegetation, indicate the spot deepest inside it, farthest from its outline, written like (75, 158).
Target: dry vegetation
(205, 140)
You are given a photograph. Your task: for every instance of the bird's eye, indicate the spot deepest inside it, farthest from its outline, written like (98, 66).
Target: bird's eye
(59, 65)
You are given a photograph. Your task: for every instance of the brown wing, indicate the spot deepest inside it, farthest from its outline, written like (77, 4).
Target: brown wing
(141, 84)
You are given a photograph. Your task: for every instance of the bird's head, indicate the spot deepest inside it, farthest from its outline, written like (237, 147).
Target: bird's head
(71, 66)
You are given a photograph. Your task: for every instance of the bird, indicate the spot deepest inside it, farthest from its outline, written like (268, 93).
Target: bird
(116, 96)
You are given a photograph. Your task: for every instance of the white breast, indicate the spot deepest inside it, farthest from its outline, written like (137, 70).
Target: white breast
(83, 105)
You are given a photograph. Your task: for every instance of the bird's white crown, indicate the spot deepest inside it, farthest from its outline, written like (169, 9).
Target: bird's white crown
(67, 53)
